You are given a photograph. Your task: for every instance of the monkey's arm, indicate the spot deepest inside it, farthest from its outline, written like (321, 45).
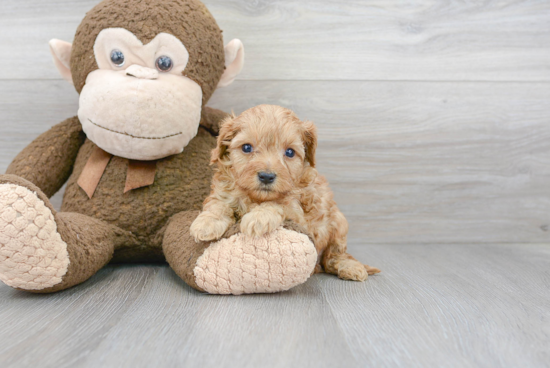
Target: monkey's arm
(48, 161)
(211, 119)
(237, 264)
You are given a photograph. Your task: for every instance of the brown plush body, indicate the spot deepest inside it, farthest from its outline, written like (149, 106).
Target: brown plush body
(132, 107)
(122, 227)
(181, 181)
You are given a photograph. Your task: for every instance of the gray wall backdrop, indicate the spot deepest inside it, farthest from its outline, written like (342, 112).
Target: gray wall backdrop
(434, 116)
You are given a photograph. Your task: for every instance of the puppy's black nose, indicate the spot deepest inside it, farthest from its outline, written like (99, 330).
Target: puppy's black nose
(266, 178)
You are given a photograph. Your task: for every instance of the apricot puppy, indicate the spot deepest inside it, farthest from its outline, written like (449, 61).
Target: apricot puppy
(266, 174)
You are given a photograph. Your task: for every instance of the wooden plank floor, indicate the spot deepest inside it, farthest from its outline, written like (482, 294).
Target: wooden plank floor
(434, 130)
(439, 305)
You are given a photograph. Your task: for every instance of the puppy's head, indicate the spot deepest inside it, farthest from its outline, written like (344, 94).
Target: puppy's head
(267, 149)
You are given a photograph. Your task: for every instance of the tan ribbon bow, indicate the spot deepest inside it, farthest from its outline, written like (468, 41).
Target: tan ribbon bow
(140, 173)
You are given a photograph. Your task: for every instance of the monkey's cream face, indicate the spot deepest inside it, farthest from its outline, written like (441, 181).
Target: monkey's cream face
(138, 105)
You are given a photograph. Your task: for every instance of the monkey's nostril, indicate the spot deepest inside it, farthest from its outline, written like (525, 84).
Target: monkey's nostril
(141, 72)
(266, 178)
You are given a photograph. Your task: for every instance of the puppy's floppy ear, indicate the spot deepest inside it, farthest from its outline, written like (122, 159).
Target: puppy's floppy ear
(309, 137)
(229, 129)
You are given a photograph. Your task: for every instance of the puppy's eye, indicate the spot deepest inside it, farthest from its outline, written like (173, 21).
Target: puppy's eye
(290, 153)
(117, 57)
(247, 148)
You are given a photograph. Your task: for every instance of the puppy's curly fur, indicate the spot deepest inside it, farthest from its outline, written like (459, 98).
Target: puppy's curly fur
(266, 174)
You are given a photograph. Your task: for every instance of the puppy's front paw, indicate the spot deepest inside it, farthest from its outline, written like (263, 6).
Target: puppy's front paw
(207, 227)
(259, 223)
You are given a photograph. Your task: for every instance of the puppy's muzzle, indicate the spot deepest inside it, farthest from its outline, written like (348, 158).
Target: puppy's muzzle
(266, 178)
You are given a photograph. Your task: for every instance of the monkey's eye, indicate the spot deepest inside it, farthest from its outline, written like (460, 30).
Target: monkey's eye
(290, 153)
(117, 57)
(164, 64)
(247, 148)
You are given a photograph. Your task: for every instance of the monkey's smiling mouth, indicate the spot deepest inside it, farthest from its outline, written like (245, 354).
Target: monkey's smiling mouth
(134, 136)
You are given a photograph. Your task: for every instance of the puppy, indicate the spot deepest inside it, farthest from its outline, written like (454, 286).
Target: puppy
(266, 174)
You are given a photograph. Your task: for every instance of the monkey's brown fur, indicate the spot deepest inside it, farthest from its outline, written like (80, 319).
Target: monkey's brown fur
(298, 192)
(146, 19)
(146, 224)
(111, 225)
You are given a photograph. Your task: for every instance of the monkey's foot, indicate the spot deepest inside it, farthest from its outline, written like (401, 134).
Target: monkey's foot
(32, 254)
(241, 264)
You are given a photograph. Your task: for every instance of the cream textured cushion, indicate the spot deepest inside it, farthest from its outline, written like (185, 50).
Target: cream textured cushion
(239, 264)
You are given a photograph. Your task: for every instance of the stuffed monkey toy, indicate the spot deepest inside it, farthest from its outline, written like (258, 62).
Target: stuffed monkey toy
(136, 161)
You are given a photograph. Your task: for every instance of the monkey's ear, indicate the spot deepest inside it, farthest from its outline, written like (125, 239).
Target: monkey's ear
(234, 61)
(61, 52)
